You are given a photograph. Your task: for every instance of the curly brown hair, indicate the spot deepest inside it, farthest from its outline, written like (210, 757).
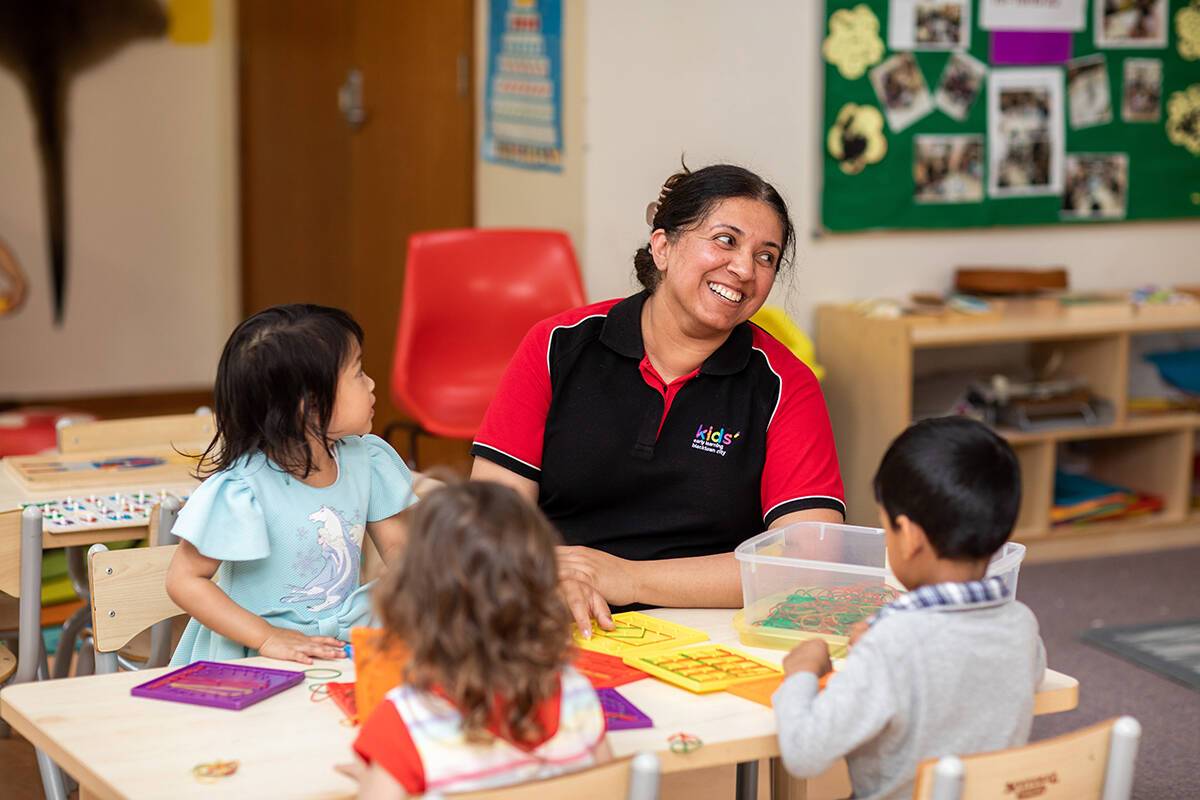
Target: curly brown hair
(476, 603)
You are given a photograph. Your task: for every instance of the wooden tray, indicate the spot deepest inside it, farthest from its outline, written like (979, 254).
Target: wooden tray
(64, 472)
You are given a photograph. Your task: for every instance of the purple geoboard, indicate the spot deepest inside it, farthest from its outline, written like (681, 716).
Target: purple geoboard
(619, 713)
(209, 683)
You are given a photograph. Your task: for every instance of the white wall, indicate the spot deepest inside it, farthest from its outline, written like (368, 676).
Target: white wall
(510, 197)
(741, 82)
(152, 224)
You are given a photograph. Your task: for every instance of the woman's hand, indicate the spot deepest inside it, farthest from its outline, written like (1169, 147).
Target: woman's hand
(811, 655)
(589, 581)
(289, 645)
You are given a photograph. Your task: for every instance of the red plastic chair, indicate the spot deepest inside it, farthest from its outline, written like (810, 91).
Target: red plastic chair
(470, 296)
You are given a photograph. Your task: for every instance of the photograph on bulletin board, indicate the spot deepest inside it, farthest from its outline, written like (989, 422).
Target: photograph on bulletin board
(976, 113)
(523, 103)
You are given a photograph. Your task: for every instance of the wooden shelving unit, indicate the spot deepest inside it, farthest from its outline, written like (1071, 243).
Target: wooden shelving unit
(874, 364)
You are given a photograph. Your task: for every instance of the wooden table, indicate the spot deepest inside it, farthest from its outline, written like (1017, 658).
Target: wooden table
(117, 745)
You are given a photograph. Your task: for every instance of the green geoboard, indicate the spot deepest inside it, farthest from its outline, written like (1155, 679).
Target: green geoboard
(1163, 178)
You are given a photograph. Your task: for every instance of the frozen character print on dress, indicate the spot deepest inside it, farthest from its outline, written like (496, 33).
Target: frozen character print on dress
(341, 553)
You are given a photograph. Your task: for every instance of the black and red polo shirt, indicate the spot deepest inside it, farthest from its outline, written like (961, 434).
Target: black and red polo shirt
(646, 470)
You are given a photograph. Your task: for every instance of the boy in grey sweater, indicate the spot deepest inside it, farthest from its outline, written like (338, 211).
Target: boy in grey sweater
(950, 667)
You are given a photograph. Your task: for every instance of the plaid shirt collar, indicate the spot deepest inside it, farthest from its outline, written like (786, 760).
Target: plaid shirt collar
(965, 596)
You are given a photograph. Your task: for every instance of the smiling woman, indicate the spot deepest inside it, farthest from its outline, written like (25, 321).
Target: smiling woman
(659, 431)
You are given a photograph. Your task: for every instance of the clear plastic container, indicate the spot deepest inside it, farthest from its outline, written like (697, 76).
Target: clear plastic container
(817, 579)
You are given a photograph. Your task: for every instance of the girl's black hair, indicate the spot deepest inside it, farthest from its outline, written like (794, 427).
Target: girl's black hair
(688, 197)
(276, 384)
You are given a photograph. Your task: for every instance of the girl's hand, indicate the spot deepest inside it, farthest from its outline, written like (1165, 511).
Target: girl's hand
(289, 645)
(857, 631)
(808, 656)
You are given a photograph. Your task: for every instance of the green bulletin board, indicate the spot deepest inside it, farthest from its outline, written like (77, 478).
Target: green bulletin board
(1162, 179)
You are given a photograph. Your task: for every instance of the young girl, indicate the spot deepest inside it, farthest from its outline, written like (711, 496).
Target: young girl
(294, 481)
(489, 698)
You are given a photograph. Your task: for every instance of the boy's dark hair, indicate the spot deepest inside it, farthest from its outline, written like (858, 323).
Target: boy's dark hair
(475, 601)
(955, 478)
(276, 383)
(687, 198)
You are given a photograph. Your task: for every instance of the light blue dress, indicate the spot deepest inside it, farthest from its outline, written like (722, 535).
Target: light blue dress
(291, 553)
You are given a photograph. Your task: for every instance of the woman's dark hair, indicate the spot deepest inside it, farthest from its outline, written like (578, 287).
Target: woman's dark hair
(955, 478)
(276, 384)
(475, 602)
(688, 197)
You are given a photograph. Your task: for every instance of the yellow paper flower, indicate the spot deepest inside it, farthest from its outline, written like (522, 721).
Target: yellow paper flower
(856, 138)
(853, 43)
(1183, 119)
(1187, 31)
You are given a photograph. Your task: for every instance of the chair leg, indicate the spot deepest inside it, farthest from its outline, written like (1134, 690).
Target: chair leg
(106, 663)
(86, 663)
(66, 643)
(53, 783)
(414, 431)
(29, 631)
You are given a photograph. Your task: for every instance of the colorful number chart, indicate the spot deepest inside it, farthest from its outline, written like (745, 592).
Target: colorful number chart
(638, 633)
(209, 683)
(708, 668)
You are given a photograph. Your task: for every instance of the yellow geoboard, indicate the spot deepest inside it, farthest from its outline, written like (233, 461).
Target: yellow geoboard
(706, 668)
(638, 633)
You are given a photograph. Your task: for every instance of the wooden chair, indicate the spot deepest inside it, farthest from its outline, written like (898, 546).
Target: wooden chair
(128, 595)
(1094, 763)
(176, 430)
(633, 778)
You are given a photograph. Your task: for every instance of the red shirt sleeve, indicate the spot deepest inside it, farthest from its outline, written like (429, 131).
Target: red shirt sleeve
(515, 422)
(801, 469)
(384, 740)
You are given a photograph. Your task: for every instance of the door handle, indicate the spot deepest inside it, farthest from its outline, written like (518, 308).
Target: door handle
(350, 99)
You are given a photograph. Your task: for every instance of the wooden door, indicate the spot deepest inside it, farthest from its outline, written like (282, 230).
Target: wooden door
(295, 152)
(328, 206)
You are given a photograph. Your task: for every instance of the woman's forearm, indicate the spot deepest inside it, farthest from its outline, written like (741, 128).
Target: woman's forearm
(214, 609)
(698, 582)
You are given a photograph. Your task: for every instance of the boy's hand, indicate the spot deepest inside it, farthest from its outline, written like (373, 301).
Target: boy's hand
(857, 630)
(289, 645)
(808, 656)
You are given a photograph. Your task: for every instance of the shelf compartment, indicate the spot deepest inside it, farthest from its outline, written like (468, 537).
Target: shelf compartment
(1152, 463)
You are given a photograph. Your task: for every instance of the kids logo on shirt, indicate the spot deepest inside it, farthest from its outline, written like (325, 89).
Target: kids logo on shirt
(713, 440)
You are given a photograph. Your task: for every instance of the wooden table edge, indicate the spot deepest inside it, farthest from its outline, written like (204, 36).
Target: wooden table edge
(90, 784)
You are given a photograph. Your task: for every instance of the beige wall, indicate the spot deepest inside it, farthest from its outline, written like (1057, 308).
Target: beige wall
(152, 216)
(697, 78)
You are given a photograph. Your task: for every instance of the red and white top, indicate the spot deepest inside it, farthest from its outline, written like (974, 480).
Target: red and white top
(418, 738)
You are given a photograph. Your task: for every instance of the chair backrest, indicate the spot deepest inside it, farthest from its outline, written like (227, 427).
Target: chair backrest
(129, 593)
(179, 430)
(632, 778)
(1094, 763)
(470, 296)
